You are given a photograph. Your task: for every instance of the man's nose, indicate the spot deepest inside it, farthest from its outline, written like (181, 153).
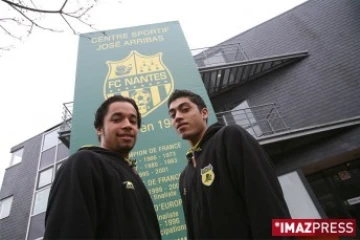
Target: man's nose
(178, 116)
(127, 124)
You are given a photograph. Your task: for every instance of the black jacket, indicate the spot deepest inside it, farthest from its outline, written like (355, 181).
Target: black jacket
(233, 192)
(96, 194)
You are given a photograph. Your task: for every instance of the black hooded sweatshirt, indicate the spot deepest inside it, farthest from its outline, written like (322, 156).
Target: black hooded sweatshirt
(97, 195)
(233, 192)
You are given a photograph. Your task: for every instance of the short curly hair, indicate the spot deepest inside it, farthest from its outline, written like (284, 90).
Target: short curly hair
(104, 108)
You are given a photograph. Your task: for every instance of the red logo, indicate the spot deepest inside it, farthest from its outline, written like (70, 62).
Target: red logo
(314, 227)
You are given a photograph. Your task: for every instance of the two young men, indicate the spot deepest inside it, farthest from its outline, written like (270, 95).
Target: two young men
(96, 193)
(229, 188)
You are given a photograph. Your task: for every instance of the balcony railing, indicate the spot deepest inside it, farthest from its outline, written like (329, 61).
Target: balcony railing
(67, 114)
(219, 55)
(259, 121)
(225, 66)
(65, 127)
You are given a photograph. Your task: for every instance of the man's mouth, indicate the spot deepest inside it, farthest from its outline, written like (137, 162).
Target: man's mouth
(181, 125)
(126, 136)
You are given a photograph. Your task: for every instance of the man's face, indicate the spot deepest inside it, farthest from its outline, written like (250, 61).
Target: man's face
(188, 121)
(120, 128)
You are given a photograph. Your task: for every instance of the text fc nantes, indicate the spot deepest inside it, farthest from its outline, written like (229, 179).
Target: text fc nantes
(145, 79)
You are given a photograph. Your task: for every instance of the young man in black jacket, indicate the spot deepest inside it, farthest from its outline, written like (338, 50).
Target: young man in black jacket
(229, 188)
(97, 193)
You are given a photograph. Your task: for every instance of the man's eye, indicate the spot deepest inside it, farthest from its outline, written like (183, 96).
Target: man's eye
(185, 110)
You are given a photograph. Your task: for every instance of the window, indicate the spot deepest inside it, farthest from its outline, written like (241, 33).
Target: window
(297, 196)
(244, 117)
(37, 227)
(216, 58)
(45, 177)
(41, 200)
(5, 207)
(17, 157)
(62, 152)
(47, 158)
(50, 140)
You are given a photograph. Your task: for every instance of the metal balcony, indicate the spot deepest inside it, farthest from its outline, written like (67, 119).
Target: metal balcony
(218, 55)
(65, 127)
(223, 67)
(259, 121)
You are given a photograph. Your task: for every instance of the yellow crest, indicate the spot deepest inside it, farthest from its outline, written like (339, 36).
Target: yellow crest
(145, 79)
(207, 175)
(129, 185)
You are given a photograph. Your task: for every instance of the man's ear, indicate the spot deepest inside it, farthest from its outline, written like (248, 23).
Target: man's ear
(204, 113)
(99, 132)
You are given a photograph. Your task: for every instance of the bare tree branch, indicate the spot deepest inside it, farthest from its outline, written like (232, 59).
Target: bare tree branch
(6, 48)
(12, 20)
(7, 19)
(68, 24)
(78, 17)
(86, 11)
(32, 21)
(31, 9)
(63, 5)
(29, 12)
(30, 30)
(33, 3)
(9, 33)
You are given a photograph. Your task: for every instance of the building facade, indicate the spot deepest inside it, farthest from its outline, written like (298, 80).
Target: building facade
(292, 82)
(27, 185)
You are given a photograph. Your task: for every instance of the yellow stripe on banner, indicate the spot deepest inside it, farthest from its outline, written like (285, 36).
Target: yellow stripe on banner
(167, 88)
(155, 95)
(110, 95)
(125, 94)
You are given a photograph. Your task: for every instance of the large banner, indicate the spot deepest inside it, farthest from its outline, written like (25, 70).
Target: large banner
(145, 63)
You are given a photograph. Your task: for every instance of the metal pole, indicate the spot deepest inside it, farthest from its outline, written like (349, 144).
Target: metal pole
(224, 119)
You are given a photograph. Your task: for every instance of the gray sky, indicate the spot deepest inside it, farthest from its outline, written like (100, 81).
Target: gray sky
(38, 76)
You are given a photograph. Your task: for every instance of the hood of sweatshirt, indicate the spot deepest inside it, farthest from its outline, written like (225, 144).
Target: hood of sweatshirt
(210, 131)
(104, 151)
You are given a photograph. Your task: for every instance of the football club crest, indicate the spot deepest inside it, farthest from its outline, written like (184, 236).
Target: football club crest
(207, 175)
(145, 79)
(129, 185)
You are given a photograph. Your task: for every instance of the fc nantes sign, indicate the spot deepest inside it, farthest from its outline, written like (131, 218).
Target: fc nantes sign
(146, 79)
(146, 63)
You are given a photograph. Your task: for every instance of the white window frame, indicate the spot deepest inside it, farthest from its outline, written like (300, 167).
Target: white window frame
(57, 152)
(51, 177)
(13, 157)
(53, 144)
(11, 198)
(34, 204)
(35, 191)
(215, 59)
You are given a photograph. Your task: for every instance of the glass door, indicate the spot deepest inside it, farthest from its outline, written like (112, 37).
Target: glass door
(338, 190)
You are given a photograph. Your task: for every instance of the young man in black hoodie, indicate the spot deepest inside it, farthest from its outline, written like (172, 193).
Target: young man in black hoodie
(97, 193)
(229, 188)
